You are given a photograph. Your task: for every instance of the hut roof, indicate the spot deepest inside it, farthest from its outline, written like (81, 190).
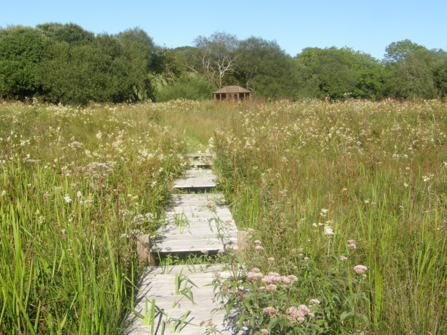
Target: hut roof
(233, 89)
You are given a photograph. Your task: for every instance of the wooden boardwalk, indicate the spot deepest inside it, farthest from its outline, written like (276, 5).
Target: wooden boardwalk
(193, 223)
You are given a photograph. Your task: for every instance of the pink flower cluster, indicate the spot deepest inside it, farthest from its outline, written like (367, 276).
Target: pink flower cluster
(351, 244)
(270, 310)
(360, 269)
(275, 277)
(298, 314)
(254, 275)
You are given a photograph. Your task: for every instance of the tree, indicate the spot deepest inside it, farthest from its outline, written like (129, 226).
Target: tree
(341, 72)
(400, 50)
(267, 70)
(414, 75)
(138, 49)
(217, 56)
(71, 33)
(21, 50)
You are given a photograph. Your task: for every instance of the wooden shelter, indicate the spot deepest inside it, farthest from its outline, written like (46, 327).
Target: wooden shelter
(232, 93)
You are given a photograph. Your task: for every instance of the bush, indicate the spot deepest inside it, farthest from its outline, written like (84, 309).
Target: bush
(192, 89)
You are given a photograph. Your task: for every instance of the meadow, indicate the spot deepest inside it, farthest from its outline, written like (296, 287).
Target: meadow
(326, 186)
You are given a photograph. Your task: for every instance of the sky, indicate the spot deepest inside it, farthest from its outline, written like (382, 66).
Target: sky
(367, 26)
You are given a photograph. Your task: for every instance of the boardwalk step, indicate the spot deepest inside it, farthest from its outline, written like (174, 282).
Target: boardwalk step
(196, 178)
(159, 284)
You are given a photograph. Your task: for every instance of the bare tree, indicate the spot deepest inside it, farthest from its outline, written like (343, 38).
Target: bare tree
(217, 54)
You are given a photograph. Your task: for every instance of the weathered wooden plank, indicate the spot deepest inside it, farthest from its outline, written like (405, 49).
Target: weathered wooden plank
(197, 155)
(202, 196)
(161, 288)
(203, 163)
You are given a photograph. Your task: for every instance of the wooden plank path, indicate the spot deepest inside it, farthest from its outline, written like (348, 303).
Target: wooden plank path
(160, 284)
(193, 223)
(196, 179)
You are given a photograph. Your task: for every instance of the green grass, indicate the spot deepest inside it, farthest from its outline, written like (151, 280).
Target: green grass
(75, 188)
(378, 168)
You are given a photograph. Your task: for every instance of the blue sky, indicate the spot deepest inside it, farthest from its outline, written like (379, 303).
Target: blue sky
(367, 26)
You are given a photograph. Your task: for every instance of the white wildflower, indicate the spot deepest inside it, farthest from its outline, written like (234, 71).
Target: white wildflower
(67, 198)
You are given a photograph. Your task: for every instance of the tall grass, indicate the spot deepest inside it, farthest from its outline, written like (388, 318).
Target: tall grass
(370, 172)
(373, 172)
(76, 186)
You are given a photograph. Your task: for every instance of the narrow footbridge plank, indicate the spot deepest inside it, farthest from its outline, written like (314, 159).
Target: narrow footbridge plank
(159, 284)
(196, 222)
(196, 178)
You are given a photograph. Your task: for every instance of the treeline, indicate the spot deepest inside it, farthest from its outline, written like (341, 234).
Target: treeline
(63, 63)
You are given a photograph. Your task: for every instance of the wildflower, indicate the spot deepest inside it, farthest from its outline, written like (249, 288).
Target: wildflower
(312, 315)
(258, 242)
(67, 199)
(46, 195)
(262, 288)
(286, 280)
(328, 231)
(352, 244)
(292, 278)
(273, 274)
(79, 194)
(304, 308)
(406, 185)
(301, 319)
(221, 251)
(343, 258)
(373, 204)
(204, 251)
(251, 230)
(315, 225)
(306, 258)
(269, 310)
(264, 331)
(259, 248)
(149, 216)
(217, 274)
(266, 280)
(271, 259)
(210, 204)
(314, 301)
(360, 269)
(254, 275)
(425, 178)
(3, 193)
(271, 287)
(255, 270)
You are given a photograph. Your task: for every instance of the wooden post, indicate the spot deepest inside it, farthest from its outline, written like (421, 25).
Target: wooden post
(241, 240)
(144, 250)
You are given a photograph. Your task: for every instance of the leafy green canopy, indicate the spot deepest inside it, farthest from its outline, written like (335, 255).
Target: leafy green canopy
(64, 63)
